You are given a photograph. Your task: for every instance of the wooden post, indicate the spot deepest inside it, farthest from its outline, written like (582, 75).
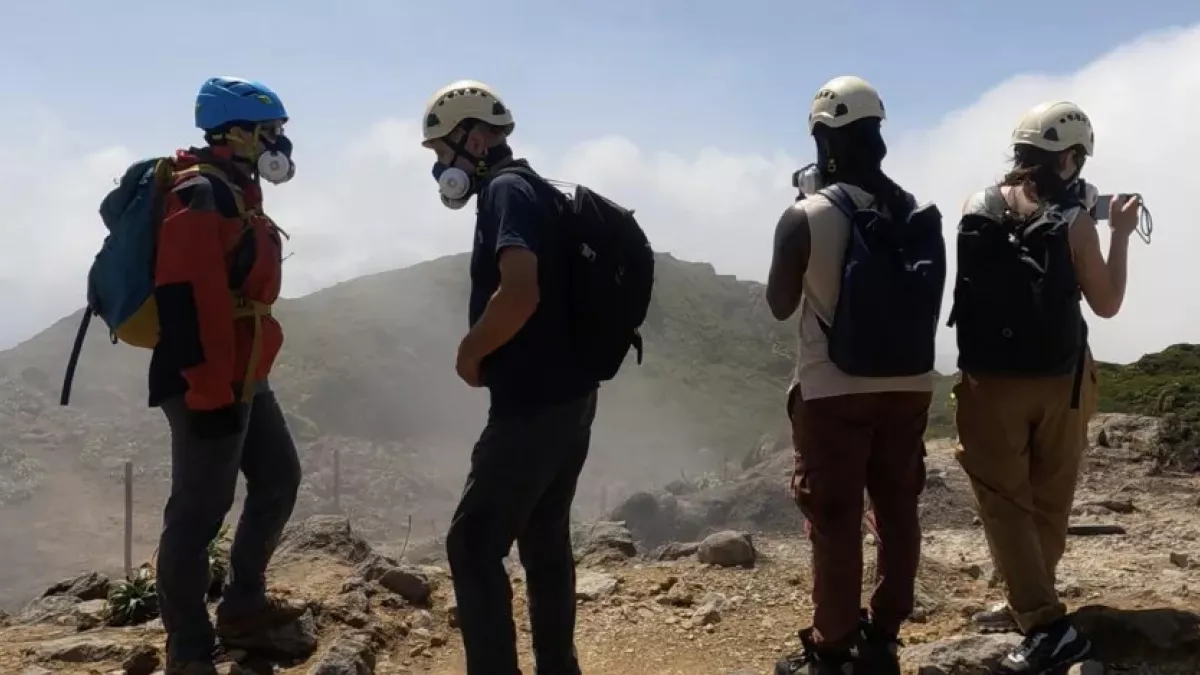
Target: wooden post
(337, 479)
(128, 519)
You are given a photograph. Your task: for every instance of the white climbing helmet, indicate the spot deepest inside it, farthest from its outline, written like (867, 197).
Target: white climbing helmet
(464, 100)
(1055, 127)
(843, 100)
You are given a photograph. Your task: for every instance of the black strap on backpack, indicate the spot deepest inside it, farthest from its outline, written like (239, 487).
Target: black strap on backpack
(890, 296)
(609, 269)
(1016, 299)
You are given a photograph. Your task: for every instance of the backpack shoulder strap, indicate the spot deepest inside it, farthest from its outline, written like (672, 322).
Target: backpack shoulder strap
(211, 171)
(563, 203)
(989, 203)
(840, 198)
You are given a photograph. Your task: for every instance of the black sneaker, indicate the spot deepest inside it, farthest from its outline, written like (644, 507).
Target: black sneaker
(1047, 649)
(813, 660)
(879, 653)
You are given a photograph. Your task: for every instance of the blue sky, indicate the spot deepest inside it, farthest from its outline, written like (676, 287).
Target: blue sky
(693, 113)
(666, 72)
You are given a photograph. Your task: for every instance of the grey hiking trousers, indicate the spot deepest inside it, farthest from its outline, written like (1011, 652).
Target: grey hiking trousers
(203, 479)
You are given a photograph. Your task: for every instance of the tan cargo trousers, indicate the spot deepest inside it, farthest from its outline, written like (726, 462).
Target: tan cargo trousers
(1023, 441)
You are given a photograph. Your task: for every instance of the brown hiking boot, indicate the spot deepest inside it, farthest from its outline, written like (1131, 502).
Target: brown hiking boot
(274, 612)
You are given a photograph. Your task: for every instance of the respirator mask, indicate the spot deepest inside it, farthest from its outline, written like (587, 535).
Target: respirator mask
(807, 181)
(275, 164)
(454, 185)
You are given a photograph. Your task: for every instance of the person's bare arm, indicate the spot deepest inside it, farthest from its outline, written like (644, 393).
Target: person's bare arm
(510, 306)
(789, 261)
(1102, 282)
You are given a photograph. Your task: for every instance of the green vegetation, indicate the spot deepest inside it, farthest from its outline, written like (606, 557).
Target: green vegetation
(218, 564)
(1167, 382)
(133, 601)
(1166, 385)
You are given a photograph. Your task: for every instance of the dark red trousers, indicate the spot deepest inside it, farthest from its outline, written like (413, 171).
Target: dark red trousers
(845, 445)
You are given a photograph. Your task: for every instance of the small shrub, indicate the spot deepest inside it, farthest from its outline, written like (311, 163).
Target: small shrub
(133, 601)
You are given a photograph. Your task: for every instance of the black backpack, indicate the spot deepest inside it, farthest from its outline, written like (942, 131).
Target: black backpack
(890, 302)
(609, 269)
(1016, 299)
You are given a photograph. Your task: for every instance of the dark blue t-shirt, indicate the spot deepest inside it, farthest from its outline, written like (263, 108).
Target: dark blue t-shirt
(536, 367)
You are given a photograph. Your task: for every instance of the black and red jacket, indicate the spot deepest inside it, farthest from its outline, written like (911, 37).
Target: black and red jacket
(215, 246)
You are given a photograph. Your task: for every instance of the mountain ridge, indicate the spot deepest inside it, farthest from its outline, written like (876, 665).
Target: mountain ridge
(366, 375)
(367, 370)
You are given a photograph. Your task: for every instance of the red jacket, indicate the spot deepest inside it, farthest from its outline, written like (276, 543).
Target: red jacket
(217, 251)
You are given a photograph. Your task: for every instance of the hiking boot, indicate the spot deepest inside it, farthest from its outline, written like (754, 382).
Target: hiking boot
(879, 653)
(814, 660)
(190, 668)
(272, 613)
(996, 619)
(1047, 649)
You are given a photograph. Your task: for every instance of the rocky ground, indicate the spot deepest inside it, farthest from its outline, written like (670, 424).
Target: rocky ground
(663, 593)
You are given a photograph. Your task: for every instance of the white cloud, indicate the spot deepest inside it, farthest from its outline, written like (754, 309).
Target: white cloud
(374, 205)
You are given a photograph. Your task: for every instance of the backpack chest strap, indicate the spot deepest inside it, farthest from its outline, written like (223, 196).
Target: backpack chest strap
(244, 308)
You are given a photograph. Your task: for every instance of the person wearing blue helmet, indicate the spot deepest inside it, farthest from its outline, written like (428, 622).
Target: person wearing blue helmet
(217, 273)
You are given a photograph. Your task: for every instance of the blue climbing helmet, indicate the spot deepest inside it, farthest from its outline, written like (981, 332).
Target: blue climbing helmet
(231, 99)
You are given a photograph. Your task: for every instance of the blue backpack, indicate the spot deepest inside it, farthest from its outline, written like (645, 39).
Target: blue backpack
(890, 303)
(120, 287)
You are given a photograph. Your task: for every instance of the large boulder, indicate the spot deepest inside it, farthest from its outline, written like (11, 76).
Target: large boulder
(291, 642)
(1142, 636)
(62, 610)
(1139, 433)
(752, 501)
(603, 541)
(90, 586)
(330, 535)
(727, 549)
(346, 656)
(959, 655)
(1144, 641)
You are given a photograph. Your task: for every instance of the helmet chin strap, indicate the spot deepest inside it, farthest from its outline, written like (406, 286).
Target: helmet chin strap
(479, 164)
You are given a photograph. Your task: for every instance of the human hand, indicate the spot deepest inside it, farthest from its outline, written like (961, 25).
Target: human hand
(1123, 215)
(467, 366)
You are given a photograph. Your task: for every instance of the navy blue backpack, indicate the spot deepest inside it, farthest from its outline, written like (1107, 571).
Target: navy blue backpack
(890, 303)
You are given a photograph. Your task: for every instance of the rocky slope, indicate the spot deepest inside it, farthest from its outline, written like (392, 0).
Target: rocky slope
(721, 595)
(367, 374)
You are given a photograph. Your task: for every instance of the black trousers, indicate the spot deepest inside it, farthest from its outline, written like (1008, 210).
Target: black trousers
(203, 479)
(524, 470)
